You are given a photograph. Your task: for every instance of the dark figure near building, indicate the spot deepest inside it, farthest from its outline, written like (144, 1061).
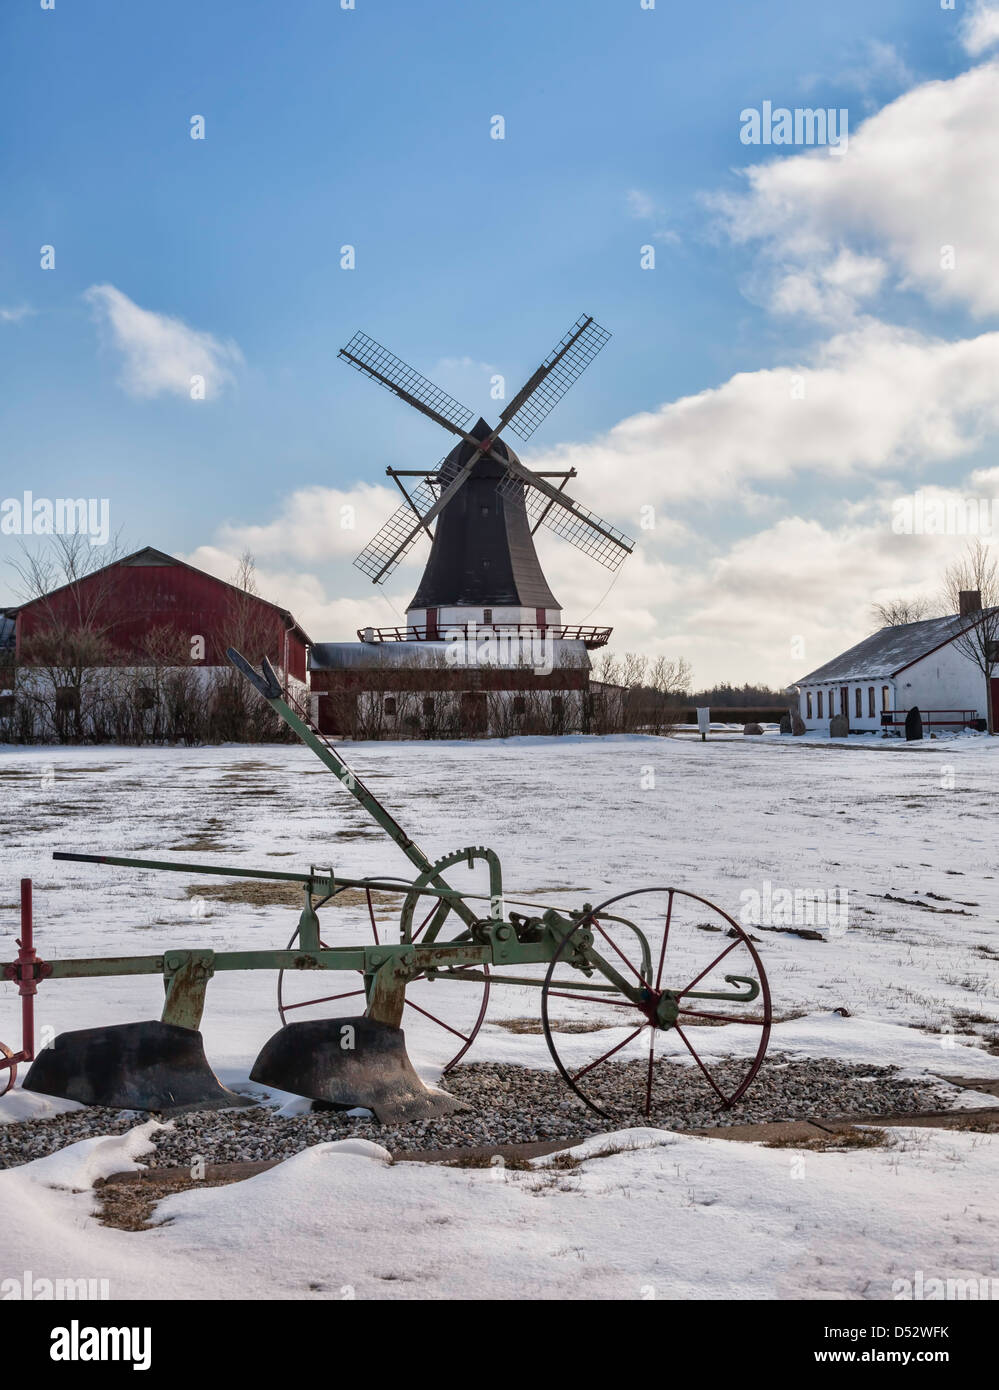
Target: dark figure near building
(913, 724)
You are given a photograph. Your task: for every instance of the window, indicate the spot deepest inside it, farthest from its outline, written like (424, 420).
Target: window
(870, 702)
(145, 697)
(487, 615)
(858, 703)
(819, 698)
(428, 704)
(390, 704)
(558, 705)
(7, 704)
(67, 698)
(844, 700)
(886, 697)
(808, 704)
(519, 704)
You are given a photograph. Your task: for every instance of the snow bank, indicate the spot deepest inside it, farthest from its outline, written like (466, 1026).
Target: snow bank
(667, 1216)
(80, 1165)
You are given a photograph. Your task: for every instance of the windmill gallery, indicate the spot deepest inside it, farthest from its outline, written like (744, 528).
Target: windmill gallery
(484, 647)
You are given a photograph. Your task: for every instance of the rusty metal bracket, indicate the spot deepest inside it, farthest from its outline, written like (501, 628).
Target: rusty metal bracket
(185, 977)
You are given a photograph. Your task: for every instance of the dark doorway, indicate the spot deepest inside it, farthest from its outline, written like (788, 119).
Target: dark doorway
(337, 714)
(473, 712)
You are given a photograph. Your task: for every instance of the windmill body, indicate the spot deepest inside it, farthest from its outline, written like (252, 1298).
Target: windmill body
(483, 585)
(483, 567)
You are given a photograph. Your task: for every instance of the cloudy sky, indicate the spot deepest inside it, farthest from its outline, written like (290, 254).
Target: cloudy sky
(816, 338)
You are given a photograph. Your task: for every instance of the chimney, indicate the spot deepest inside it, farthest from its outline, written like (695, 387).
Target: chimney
(970, 601)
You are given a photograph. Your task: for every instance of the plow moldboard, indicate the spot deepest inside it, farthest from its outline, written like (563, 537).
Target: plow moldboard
(132, 1066)
(350, 1062)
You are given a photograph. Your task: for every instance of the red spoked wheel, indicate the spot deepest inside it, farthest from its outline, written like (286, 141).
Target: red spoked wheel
(458, 1018)
(8, 1075)
(652, 1000)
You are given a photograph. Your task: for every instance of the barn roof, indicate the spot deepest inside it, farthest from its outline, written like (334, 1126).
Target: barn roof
(887, 652)
(150, 556)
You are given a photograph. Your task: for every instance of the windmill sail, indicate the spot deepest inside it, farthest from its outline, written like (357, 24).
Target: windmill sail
(375, 361)
(566, 518)
(390, 545)
(566, 362)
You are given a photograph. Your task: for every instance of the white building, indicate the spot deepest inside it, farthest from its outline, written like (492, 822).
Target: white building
(896, 668)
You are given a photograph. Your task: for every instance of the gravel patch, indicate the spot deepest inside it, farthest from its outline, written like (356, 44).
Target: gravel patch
(510, 1105)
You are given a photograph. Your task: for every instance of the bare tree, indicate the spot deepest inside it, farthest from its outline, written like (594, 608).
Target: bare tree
(668, 682)
(635, 694)
(896, 612)
(71, 583)
(254, 629)
(978, 570)
(245, 574)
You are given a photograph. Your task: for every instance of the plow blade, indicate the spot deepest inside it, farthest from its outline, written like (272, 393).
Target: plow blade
(132, 1066)
(350, 1062)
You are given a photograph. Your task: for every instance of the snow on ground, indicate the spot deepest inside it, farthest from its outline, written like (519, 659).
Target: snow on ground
(904, 830)
(663, 1216)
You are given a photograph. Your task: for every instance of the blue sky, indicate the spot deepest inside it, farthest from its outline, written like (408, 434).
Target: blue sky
(371, 127)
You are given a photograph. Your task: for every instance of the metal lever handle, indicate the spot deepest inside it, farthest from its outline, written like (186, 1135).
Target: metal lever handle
(267, 683)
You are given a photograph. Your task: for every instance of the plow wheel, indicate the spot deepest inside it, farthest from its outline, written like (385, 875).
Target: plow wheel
(618, 1042)
(343, 991)
(8, 1075)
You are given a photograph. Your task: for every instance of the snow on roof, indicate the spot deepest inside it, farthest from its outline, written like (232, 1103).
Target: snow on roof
(890, 650)
(332, 656)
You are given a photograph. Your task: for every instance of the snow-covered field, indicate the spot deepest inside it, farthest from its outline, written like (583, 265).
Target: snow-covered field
(903, 831)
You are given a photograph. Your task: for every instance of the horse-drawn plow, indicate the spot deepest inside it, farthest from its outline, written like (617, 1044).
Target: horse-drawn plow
(644, 966)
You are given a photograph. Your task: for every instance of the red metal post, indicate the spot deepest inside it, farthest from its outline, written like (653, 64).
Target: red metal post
(27, 986)
(24, 971)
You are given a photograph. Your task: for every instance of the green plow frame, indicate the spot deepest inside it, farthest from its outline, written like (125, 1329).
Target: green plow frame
(343, 1062)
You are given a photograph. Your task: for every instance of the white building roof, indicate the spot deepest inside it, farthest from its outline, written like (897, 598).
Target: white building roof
(887, 652)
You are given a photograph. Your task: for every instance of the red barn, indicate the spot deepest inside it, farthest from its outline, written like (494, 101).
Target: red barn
(151, 597)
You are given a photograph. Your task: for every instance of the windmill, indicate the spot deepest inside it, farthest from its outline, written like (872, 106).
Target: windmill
(480, 506)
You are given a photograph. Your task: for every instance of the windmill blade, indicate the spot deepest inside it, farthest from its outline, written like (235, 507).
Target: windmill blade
(542, 392)
(389, 546)
(547, 506)
(375, 361)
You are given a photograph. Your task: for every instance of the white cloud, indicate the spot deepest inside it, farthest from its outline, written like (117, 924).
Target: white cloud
(919, 176)
(640, 204)
(880, 66)
(161, 354)
(644, 208)
(316, 523)
(830, 291)
(310, 533)
(876, 398)
(15, 315)
(454, 364)
(980, 28)
(775, 604)
(305, 595)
